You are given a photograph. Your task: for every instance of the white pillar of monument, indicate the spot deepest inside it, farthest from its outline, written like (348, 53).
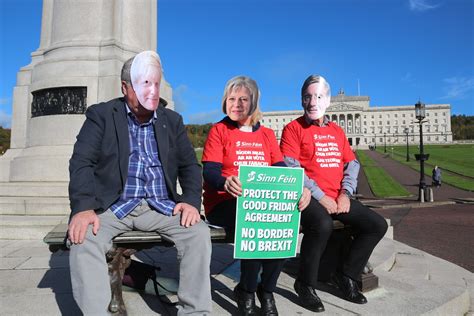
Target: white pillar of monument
(82, 49)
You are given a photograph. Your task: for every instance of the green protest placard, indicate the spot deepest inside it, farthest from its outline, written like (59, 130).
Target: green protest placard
(268, 219)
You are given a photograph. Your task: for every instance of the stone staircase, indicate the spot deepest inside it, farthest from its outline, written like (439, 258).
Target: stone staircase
(413, 282)
(28, 210)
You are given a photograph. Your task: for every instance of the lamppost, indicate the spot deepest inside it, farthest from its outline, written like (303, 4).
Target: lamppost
(408, 152)
(420, 115)
(385, 142)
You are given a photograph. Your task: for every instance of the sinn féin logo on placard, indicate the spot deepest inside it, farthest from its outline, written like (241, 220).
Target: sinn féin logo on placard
(251, 176)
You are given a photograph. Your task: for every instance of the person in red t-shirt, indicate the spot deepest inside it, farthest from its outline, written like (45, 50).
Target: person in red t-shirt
(331, 170)
(225, 150)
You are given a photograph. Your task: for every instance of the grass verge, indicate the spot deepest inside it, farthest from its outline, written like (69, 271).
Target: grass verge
(455, 161)
(380, 182)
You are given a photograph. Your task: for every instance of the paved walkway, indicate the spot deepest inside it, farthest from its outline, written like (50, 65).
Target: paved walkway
(410, 179)
(444, 230)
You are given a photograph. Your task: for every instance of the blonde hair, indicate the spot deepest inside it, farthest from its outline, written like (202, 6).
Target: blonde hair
(245, 82)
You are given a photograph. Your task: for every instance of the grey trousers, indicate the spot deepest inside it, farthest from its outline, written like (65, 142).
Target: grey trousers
(89, 272)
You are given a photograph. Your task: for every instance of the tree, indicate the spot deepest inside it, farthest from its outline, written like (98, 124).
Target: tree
(198, 134)
(462, 127)
(5, 135)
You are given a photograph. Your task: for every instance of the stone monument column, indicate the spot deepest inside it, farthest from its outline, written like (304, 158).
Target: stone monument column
(82, 49)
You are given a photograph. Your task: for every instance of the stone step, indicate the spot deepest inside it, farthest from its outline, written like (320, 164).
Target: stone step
(10, 205)
(34, 189)
(411, 282)
(28, 227)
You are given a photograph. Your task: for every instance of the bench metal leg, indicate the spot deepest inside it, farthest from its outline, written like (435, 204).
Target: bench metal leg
(118, 260)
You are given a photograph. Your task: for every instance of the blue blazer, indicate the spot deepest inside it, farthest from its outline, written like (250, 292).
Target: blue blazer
(99, 164)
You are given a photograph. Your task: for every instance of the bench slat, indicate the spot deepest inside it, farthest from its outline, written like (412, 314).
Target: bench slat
(57, 236)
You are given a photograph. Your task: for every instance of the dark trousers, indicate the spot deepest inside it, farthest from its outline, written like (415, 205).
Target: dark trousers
(368, 228)
(223, 215)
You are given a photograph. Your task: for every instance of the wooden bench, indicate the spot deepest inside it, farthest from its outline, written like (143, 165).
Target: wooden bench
(119, 256)
(126, 244)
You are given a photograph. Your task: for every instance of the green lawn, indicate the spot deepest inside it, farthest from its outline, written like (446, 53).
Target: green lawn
(454, 161)
(198, 154)
(380, 182)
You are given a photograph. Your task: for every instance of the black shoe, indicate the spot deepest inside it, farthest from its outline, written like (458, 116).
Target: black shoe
(245, 302)
(267, 302)
(349, 288)
(308, 297)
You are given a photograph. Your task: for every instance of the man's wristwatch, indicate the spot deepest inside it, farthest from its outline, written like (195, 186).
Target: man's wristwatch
(346, 192)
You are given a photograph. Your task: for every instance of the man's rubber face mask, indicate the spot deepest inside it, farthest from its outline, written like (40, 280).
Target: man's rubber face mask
(145, 74)
(316, 100)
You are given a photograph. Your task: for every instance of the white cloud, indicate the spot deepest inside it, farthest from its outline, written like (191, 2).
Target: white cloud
(179, 92)
(205, 117)
(5, 119)
(457, 87)
(421, 5)
(408, 77)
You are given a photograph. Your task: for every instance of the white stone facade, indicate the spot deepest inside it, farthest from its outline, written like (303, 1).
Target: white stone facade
(376, 126)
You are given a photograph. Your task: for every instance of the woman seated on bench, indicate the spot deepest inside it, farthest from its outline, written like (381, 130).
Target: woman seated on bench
(241, 130)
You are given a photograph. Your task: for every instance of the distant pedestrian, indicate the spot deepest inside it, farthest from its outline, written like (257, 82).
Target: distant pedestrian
(436, 176)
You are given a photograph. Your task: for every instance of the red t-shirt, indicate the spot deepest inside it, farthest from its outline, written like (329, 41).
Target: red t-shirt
(322, 152)
(231, 147)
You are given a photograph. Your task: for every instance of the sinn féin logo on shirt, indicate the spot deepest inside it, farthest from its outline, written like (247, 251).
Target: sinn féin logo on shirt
(247, 144)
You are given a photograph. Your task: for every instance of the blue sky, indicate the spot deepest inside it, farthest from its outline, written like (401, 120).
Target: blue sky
(398, 50)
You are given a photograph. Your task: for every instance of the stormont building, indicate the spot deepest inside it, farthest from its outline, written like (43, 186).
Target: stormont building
(376, 126)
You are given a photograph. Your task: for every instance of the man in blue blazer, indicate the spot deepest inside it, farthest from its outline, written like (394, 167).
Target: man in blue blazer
(127, 159)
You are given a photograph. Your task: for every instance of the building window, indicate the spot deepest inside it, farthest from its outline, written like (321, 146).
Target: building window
(380, 122)
(276, 120)
(403, 115)
(396, 115)
(436, 120)
(388, 122)
(269, 120)
(365, 122)
(436, 114)
(380, 115)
